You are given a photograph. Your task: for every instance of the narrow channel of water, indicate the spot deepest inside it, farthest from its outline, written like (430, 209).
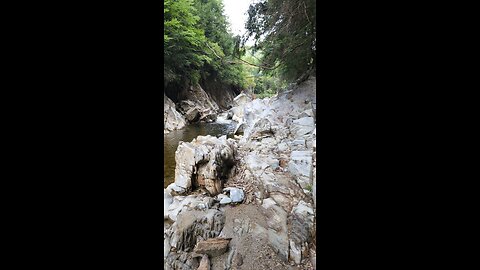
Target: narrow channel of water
(187, 134)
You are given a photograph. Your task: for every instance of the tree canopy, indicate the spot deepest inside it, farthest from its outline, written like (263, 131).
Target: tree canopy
(197, 44)
(286, 33)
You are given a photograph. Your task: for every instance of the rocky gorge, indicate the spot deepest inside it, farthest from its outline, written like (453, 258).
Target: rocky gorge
(246, 202)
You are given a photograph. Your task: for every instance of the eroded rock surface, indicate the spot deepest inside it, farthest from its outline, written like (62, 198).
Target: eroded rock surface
(198, 106)
(267, 209)
(204, 162)
(172, 119)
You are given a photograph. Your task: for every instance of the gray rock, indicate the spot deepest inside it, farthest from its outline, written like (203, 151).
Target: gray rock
(300, 166)
(192, 115)
(172, 119)
(301, 221)
(167, 201)
(225, 200)
(302, 126)
(204, 162)
(236, 194)
(277, 227)
(204, 263)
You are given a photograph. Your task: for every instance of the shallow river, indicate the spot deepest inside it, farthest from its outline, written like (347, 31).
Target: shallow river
(187, 134)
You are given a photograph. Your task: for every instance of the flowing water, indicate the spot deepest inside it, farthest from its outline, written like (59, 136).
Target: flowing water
(187, 134)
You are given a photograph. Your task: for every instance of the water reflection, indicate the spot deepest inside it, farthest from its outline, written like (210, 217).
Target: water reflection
(187, 134)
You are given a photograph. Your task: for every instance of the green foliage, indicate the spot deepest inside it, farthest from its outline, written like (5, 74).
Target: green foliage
(286, 33)
(263, 84)
(197, 44)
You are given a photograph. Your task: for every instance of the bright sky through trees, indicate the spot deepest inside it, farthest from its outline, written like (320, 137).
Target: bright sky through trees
(236, 10)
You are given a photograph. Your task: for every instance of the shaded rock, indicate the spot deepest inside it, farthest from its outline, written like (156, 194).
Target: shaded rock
(192, 115)
(240, 129)
(301, 223)
(204, 263)
(193, 226)
(205, 162)
(208, 117)
(197, 105)
(213, 246)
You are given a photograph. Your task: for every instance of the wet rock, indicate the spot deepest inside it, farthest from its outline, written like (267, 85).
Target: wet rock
(213, 246)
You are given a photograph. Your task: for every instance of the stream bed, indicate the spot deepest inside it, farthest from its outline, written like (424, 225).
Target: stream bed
(187, 134)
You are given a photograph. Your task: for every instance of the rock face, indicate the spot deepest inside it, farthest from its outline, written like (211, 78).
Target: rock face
(172, 119)
(205, 162)
(198, 105)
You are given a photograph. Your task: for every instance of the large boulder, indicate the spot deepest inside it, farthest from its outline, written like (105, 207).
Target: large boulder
(205, 162)
(172, 119)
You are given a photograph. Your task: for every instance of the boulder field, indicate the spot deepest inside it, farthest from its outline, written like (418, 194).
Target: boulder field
(247, 202)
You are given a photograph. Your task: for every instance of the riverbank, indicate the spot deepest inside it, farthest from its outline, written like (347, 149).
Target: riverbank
(256, 192)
